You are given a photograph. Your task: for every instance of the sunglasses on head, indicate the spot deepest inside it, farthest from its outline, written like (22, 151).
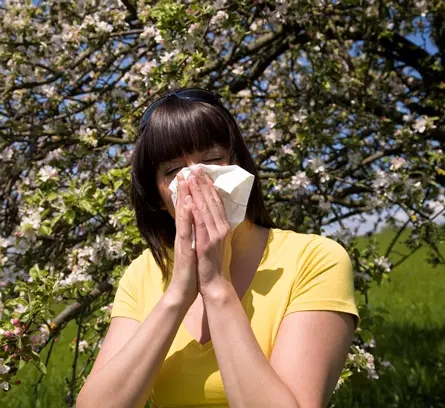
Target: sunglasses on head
(194, 94)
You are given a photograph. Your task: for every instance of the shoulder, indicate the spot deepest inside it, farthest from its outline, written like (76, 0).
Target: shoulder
(139, 265)
(302, 244)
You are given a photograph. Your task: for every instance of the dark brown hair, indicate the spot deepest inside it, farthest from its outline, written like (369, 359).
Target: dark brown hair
(178, 127)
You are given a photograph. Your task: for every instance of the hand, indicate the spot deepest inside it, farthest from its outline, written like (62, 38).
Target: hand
(212, 232)
(184, 281)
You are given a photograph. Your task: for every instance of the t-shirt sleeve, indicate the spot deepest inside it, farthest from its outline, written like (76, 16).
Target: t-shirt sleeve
(126, 299)
(324, 279)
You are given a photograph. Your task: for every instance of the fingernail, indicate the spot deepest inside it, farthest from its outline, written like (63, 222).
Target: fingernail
(188, 199)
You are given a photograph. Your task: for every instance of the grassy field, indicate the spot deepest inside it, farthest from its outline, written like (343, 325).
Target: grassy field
(412, 339)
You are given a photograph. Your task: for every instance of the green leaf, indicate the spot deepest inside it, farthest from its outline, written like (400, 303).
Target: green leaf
(346, 374)
(117, 184)
(70, 215)
(55, 219)
(86, 205)
(40, 366)
(52, 196)
(366, 335)
(22, 364)
(105, 179)
(46, 229)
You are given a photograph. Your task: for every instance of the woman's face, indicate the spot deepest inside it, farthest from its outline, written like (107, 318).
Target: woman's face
(168, 170)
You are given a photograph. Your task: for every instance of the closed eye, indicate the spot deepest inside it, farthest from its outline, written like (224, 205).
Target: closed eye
(176, 169)
(212, 160)
(167, 173)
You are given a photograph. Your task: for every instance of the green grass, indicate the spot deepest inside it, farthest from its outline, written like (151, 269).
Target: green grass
(412, 338)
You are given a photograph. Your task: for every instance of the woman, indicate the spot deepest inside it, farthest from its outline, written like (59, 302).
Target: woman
(215, 326)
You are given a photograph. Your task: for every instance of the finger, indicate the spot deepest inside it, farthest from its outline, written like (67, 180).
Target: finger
(201, 232)
(184, 226)
(201, 212)
(203, 181)
(180, 191)
(218, 202)
(203, 207)
(213, 202)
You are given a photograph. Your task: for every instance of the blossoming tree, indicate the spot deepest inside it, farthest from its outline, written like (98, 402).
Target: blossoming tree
(341, 104)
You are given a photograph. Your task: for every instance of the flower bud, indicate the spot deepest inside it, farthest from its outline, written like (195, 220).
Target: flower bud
(17, 331)
(8, 333)
(6, 348)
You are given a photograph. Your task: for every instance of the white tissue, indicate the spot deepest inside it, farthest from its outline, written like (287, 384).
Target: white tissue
(233, 184)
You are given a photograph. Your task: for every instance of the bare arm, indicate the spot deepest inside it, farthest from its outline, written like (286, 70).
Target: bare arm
(134, 356)
(127, 379)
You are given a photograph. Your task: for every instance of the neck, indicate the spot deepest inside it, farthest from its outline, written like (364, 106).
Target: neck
(242, 235)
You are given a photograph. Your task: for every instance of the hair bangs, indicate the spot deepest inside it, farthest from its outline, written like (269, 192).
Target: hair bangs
(179, 127)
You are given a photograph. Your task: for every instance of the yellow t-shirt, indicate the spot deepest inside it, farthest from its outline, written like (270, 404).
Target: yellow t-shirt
(297, 272)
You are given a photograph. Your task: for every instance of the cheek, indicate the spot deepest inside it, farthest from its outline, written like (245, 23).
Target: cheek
(166, 197)
(165, 193)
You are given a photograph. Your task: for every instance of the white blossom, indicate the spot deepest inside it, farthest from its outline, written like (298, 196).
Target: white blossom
(4, 243)
(148, 67)
(149, 32)
(318, 166)
(238, 70)
(4, 385)
(7, 153)
(397, 163)
(271, 119)
(300, 181)
(220, 16)
(20, 308)
(75, 277)
(273, 135)
(193, 28)
(324, 205)
(3, 368)
(30, 223)
(383, 180)
(420, 125)
(219, 4)
(168, 56)
(245, 93)
(83, 345)
(47, 172)
(88, 135)
(384, 263)
(287, 150)
(300, 116)
(54, 154)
